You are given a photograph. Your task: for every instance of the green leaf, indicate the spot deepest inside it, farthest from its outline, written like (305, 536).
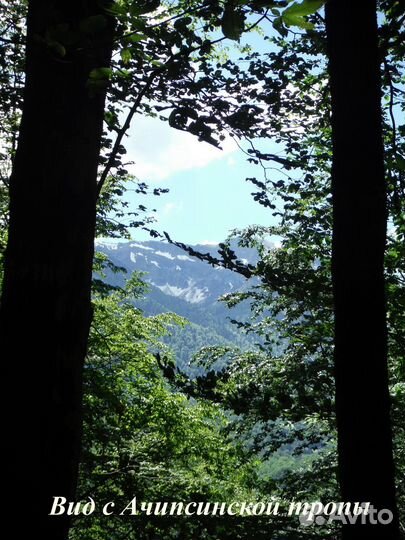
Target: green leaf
(57, 48)
(135, 38)
(297, 20)
(182, 23)
(110, 118)
(206, 46)
(233, 22)
(126, 56)
(100, 73)
(400, 162)
(307, 7)
(140, 7)
(279, 26)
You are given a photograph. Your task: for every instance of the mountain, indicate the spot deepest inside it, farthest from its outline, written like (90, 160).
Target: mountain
(187, 286)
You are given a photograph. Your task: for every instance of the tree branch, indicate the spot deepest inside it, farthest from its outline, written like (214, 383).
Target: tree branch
(123, 130)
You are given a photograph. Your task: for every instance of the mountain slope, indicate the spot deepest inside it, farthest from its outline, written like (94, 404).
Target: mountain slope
(186, 286)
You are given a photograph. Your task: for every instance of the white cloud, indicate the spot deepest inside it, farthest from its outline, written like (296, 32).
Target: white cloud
(160, 151)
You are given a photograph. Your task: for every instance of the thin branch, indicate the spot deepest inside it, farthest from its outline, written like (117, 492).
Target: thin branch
(166, 21)
(121, 132)
(233, 264)
(394, 136)
(391, 109)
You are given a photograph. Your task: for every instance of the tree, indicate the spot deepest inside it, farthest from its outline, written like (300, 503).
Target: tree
(45, 308)
(46, 293)
(143, 438)
(53, 195)
(299, 272)
(366, 470)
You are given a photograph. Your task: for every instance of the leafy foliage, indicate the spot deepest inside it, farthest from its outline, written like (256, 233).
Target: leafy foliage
(142, 438)
(262, 422)
(291, 380)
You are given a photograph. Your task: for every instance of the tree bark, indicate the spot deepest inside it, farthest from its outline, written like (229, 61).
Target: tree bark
(366, 469)
(45, 309)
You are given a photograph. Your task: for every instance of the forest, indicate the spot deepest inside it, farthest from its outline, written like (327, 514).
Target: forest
(289, 423)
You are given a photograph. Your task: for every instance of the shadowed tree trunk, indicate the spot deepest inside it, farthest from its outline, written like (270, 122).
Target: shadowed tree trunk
(45, 308)
(359, 233)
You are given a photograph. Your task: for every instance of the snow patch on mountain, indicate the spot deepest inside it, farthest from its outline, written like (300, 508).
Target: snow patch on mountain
(168, 270)
(140, 246)
(165, 254)
(106, 244)
(191, 293)
(185, 258)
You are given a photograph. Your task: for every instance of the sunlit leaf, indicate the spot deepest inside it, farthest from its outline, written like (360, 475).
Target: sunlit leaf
(126, 55)
(307, 7)
(297, 20)
(100, 73)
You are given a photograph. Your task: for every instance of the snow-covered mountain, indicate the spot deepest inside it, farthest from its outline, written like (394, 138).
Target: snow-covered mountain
(185, 285)
(174, 272)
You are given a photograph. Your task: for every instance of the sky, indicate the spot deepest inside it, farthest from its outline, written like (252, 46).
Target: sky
(208, 194)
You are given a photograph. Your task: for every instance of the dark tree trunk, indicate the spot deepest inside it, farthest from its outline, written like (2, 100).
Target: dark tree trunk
(45, 308)
(359, 233)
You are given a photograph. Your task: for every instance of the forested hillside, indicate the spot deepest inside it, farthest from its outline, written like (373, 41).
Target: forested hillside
(187, 286)
(164, 389)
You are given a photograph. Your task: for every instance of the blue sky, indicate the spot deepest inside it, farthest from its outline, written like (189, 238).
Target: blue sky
(208, 193)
